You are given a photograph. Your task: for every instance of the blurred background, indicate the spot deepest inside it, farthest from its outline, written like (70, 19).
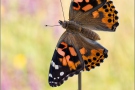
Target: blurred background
(27, 47)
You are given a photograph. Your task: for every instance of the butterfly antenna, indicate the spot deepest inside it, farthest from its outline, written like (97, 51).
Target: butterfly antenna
(63, 17)
(51, 25)
(62, 10)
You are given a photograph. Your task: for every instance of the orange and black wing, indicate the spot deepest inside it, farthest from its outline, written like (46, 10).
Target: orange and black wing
(66, 61)
(94, 14)
(92, 52)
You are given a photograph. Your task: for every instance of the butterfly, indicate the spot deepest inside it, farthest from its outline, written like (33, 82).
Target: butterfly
(77, 49)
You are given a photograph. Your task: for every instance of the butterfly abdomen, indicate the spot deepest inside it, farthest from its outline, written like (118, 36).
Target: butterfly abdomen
(74, 27)
(90, 34)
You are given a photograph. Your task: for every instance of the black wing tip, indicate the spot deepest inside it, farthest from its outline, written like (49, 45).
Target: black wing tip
(115, 26)
(59, 83)
(105, 53)
(56, 84)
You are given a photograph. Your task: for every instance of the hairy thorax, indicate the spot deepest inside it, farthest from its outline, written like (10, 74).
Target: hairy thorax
(76, 28)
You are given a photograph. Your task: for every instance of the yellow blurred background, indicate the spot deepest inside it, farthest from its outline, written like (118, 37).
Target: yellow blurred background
(27, 47)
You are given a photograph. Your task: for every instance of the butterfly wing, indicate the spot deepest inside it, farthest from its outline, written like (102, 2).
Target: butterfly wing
(92, 52)
(94, 14)
(74, 53)
(66, 60)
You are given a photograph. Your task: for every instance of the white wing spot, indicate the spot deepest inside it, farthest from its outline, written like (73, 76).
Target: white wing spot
(50, 75)
(53, 64)
(56, 67)
(61, 73)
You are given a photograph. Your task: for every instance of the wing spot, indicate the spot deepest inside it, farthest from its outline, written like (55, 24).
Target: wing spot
(50, 75)
(59, 50)
(56, 67)
(106, 10)
(115, 12)
(72, 51)
(87, 7)
(53, 64)
(64, 61)
(86, 1)
(105, 6)
(70, 63)
(89, 60)
(97, 54)
(109, 20)
(116, 17)
(92, 63)
(112, 6)
(85, 62)
(61, 73)
(95, 14)
(109, 15)
(101, 60)
(83, 51)
(92, 66)
(97, 64)
(94, 58)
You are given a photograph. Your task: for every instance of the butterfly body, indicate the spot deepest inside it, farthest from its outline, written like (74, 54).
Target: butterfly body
(77, 49)
(76, 28)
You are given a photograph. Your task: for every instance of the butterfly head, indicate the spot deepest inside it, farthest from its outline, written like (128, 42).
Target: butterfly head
(63, 23)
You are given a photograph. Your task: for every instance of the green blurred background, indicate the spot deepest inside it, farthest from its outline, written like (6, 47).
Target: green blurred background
(27, 47)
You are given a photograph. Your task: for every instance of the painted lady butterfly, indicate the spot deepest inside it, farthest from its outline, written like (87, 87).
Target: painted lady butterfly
(77, 49)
